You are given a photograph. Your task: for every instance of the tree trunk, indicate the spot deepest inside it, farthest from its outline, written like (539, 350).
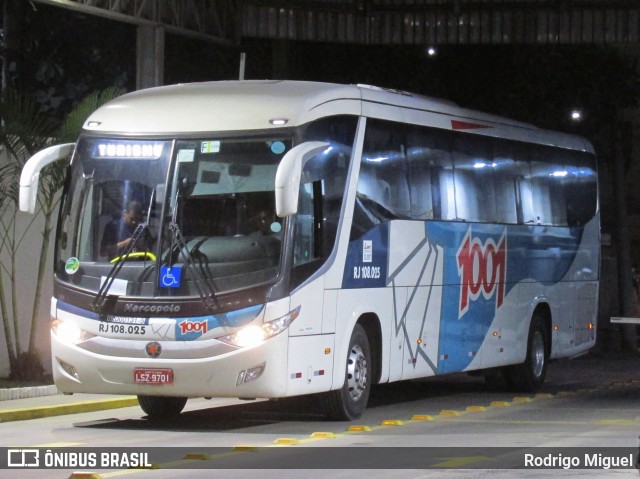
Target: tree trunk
(14, 288)
(7, 327)
(44, 250)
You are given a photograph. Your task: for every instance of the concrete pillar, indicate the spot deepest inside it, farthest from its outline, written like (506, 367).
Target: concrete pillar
(149, 56)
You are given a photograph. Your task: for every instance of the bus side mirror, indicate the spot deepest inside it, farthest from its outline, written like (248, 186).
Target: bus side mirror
(289, 173)
(30, 175)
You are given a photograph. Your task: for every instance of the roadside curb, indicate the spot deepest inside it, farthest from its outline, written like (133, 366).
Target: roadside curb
(21, 414)
(27, 392)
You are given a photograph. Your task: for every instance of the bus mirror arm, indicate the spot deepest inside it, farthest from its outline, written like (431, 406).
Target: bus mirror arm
(289, 174)
(30, 175)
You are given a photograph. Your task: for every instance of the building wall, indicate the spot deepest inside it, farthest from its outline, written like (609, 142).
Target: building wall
(25, 279)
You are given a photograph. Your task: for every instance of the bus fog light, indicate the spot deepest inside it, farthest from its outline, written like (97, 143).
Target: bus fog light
(250, 374)
(253, 374)
(69, 369)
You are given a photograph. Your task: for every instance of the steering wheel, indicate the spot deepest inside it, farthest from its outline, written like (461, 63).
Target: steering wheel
(137, 255)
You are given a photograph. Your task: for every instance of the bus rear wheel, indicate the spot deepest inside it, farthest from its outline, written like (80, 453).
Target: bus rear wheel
(530, 375)
(350, 401)
(159, 407)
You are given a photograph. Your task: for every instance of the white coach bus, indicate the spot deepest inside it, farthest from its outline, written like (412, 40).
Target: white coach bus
(264, 239)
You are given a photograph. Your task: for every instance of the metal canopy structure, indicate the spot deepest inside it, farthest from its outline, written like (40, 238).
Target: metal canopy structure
(211, 20)
(382, 22)
(413, 22)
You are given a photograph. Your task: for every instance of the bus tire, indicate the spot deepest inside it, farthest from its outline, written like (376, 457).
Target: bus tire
(350, 401)
(530, 375)
(158, 407)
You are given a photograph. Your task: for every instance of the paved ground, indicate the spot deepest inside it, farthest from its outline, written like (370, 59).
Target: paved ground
(44, 401)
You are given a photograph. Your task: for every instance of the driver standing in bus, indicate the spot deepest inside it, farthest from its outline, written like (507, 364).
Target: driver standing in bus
(118, 233)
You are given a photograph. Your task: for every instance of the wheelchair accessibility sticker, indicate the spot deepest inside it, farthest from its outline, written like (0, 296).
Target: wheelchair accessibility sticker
(170, 276)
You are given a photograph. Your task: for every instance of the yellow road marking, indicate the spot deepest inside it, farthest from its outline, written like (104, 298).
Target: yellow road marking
(476, 408)
(452, 462)
(392, 422)
(323, 435)
(286, 441)
(359, 428)
(449, 412)
(421, 417)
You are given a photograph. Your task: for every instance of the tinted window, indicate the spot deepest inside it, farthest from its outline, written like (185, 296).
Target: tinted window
(420, 173)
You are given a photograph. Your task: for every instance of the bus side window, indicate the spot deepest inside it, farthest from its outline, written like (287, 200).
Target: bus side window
(304, 249)
(474, 167)
(507, 193)
(319, 207)
(580, 188)
(328, 172)
(513, 183)
(429, 157)
(384, 168)
(383, 189)
(549, 204)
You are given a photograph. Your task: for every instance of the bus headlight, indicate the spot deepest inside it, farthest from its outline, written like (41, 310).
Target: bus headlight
(68, 332)
(254, 334)
(249, 336)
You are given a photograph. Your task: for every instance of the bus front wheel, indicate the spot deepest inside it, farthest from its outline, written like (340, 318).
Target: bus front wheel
(350, 401)
(159, 407)
(529, 376)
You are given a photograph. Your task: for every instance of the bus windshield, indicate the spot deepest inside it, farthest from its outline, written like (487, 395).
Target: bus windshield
(166, 214)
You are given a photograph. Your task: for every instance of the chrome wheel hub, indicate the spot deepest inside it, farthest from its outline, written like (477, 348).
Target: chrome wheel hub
(356, 372)
(537, 354)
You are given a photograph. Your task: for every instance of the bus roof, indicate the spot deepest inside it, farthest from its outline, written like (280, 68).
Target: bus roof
(259, 104)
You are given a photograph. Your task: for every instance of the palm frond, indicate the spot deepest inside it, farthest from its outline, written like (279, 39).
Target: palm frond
(75, 120)
(52, 177)
(9, 184)
(24, 129)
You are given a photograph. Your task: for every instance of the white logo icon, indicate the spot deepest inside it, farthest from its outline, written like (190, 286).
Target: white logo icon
(367, 251)
(23, 458)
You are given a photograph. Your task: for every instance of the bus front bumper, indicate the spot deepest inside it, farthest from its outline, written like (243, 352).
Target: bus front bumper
(254, 372)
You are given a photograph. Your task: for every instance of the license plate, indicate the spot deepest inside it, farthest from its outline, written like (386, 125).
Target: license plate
(153, 376)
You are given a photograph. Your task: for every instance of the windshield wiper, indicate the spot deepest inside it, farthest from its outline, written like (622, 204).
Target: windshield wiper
(177, 240)
(101, 298)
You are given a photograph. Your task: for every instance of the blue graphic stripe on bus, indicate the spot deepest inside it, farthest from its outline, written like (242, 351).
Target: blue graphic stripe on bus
(189, 329)
(481, 263)
(186, 329)
(475, 267)
(540, 253)
(70, 308)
